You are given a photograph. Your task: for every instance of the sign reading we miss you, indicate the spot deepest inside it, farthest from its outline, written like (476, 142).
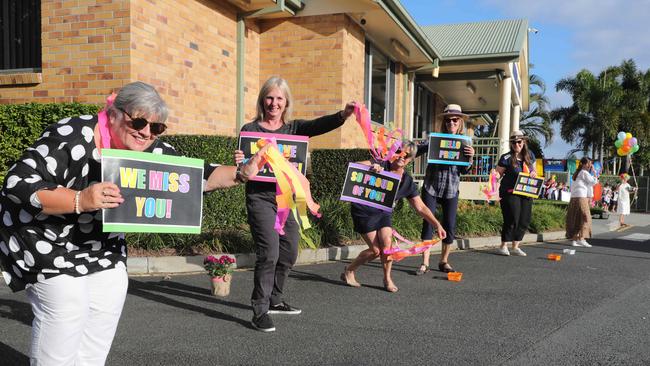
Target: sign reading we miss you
(294, 147)
(527, 186)
(368, 188)
(162, 193)
(447, 149)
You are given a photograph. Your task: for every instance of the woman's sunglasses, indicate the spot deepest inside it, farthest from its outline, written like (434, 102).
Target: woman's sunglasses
(137, 124)
(453, 119)
(518, 142)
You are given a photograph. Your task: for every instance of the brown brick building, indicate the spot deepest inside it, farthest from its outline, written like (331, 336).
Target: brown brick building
(208, 59)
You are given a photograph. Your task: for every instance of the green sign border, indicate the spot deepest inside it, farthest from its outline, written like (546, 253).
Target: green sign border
(154, 158)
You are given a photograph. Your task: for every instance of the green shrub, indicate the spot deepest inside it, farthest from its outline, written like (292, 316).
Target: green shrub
(328, 169)
(22, 124)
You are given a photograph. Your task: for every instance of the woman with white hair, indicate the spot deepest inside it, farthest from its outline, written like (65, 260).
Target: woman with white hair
(51, 240)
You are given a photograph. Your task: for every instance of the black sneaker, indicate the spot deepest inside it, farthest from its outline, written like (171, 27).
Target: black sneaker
(284, 308)
(263, 323)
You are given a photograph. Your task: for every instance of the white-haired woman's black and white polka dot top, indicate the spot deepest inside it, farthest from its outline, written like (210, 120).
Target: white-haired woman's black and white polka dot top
(35, 246)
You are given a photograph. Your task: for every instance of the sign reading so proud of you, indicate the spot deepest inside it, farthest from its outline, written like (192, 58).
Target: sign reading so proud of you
(446, 148)
(368, 188)
(162, 193)
(294, 147)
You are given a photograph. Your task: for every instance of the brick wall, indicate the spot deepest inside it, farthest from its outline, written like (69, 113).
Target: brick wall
(188, 51)
(322, 60)
(85, 53)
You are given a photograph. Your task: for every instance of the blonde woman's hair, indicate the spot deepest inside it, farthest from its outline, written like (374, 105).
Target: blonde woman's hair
(280, 83)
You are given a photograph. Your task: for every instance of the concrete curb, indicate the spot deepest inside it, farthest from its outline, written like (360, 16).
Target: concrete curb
(189, 264)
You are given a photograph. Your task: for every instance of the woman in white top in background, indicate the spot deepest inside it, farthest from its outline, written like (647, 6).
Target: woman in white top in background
(624, 190)
(578, 217)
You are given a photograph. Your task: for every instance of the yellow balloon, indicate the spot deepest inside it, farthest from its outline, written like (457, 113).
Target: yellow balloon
(628, 135)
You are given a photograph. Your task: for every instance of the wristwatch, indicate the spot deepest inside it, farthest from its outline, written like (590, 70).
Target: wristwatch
(239, 174)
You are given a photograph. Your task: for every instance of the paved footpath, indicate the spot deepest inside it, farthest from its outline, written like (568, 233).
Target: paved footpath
(587, 309)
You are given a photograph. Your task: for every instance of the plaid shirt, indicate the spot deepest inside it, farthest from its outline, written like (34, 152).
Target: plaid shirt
(443, 180)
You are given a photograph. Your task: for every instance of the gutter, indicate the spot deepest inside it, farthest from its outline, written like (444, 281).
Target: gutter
(397, 12)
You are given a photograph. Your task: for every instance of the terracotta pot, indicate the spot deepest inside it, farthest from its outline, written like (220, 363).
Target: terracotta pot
(221, 285)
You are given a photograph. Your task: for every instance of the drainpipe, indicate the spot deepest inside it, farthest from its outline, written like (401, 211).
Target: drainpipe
(404, 92)
(282, 6)
(241, 49)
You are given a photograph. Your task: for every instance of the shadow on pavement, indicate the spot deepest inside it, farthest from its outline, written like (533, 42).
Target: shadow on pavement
(12, 357)
(154, 291)
(18, 310)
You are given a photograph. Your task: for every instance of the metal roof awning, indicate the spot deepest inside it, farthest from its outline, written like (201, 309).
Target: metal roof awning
(473, 58)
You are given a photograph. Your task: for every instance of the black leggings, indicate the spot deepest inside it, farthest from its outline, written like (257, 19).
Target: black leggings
(517, 214)
(449, 209)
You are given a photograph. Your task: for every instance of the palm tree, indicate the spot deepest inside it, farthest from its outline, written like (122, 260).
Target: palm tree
(618, 99)
(537, 122)
(594, 114)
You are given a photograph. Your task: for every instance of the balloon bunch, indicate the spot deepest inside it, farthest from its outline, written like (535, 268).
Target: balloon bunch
(626, 144)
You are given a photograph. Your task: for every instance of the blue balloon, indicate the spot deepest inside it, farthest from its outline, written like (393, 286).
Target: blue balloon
(621, 135)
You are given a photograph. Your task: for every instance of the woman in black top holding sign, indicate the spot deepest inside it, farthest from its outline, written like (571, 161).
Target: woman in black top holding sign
(516, 209)
(51, 239)
(276, 254)
(375, 225)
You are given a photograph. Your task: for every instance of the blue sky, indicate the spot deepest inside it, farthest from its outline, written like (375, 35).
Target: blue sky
(573, 35)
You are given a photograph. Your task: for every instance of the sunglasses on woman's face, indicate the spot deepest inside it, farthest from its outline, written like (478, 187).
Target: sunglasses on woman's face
(453, 119)
(518, 142)
(139, 123)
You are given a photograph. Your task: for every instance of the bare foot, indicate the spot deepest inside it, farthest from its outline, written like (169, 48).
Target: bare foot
(390, 286)
(348, 278)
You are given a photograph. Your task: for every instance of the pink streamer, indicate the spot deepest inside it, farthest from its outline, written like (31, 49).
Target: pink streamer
(379, 150)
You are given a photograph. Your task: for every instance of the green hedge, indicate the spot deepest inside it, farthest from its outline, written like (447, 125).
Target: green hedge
(22, 124)
(328, 168)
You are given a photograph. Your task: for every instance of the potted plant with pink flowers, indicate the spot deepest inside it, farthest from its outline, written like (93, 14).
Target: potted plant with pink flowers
(220, 270)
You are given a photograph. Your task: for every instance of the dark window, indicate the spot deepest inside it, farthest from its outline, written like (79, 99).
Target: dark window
(20, 34)
(380, 85)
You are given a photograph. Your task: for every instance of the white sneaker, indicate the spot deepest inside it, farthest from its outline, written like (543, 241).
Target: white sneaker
(584, 243)
(503, 251)
(518, 252)
(575, 244)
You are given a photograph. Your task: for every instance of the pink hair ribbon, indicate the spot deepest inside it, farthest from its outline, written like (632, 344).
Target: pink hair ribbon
(102, 120)
(292, 191)
(379, 149)
(397, 253)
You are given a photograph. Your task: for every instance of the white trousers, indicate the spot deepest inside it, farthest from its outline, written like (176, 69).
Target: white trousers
(75, 318)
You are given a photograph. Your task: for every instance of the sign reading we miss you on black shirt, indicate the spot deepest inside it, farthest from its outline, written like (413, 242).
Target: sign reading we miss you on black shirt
(294, 147)
(447, 149)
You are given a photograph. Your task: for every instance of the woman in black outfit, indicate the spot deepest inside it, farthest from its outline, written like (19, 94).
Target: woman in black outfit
(375, 225)
(516, 210)
(276, 254)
